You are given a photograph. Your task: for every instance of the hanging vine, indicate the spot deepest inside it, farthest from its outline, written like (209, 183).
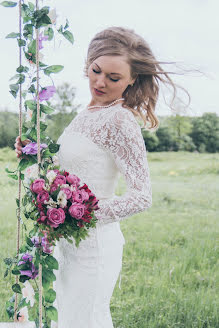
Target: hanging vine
(54, 201)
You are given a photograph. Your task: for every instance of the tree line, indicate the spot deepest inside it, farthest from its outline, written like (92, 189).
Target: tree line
(175, 132)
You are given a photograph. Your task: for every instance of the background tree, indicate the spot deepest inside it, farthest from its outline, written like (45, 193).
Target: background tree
(205, 132)
(65, 110)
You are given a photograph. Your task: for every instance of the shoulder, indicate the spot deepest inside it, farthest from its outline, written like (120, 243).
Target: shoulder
(123, 117)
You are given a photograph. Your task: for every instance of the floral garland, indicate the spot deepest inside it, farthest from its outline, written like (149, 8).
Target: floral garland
(55, 202)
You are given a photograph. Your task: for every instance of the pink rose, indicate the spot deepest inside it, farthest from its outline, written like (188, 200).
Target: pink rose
(53, 188)
(68, 192)
(37, 185)
(59, 180)
(78, 196)
(73, 179)
(85, 195)
(76, 210)
(56, 216)
(42, 196)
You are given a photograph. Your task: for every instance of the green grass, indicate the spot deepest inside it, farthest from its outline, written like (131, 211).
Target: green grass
(170, 274)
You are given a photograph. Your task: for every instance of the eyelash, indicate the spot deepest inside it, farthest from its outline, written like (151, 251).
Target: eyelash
(110, 77)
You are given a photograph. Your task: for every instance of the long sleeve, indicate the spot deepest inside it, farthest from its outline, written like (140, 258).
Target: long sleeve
(125, 143)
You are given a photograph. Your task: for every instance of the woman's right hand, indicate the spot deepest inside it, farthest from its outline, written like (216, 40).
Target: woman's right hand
(19, 144)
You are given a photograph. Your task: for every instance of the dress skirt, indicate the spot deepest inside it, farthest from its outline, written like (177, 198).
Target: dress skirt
(87, 276)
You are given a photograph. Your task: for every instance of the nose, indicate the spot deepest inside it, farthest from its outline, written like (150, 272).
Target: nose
(100, 82)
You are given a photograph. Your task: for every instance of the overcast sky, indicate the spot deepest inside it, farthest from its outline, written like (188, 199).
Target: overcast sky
(185, 31)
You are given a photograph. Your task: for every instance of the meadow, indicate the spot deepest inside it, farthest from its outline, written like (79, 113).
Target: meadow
(170, 274)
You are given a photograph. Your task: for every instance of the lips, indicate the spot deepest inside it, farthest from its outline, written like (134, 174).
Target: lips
(98, 92)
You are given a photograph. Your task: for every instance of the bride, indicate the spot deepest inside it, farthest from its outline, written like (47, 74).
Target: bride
(103, 141)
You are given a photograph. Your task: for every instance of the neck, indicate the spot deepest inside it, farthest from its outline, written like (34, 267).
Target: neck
(91, 105)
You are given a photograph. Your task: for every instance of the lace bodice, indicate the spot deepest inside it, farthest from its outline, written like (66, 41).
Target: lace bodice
(99, 145)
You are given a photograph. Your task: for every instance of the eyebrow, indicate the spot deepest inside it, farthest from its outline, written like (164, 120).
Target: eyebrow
(109, 73)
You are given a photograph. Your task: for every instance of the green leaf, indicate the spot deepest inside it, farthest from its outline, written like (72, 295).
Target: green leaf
(17, 202)
(21, 79)
(8, 261)
(52, 313)
(16, 288)
(50, 296)
(43, 126)
(8, 4)
(51, 262)
(46, 109)
(53, 148)
(22, 69)
(50, 33)
(69, 36)
(16, 272)
(21, 42)
(66, 24)
(12, 35)
(13, 176)
(24, 163)
(32, 89)
(29, 242)
(48, 275)
(6, 273)
(31, 6)
(32, 47)
(53, 69)
(14, 87)
(28, 30)
(31, 104)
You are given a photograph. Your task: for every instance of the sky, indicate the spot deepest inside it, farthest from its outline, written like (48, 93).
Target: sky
(183, 31)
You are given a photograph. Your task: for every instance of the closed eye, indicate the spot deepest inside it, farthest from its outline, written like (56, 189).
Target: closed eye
(97, 72)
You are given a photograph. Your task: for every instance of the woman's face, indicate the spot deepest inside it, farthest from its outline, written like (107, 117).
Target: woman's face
(108, 76)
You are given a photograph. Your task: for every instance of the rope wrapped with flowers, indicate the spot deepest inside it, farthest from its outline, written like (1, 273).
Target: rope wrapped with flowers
(55, 203)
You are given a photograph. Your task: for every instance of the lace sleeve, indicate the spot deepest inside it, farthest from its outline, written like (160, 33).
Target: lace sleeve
(125, 143)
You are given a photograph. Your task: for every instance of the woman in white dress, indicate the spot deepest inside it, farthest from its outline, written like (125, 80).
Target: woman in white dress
(103, 141)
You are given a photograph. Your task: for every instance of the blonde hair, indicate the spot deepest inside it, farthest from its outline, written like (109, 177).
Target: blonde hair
(142, 96)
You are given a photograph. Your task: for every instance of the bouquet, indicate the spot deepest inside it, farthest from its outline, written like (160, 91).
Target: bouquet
(57, 205)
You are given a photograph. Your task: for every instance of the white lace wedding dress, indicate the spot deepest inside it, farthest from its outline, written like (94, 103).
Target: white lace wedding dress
(97, 146)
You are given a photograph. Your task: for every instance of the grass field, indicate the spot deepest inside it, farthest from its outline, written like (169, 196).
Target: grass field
(170, 275)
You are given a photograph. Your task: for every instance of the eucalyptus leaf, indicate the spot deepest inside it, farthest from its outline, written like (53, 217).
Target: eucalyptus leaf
(21, 42)
(53, 148)
(12, 35)
(46, 109)
(51, 262)
(16, 288)
(8, 4)
(22, 69)
(53, 69)
(31, 104)
(50, 296)
(52, 313)
(69, 36)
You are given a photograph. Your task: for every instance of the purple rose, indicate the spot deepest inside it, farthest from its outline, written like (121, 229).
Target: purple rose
(73, 179)
(44, 243)
(85, 195)
(38, 185)
(68, 192)
(31, 271)
(55, 217)
(59, 180)
(76, 210)
(42, 196)
(47, 92)
(31, 148)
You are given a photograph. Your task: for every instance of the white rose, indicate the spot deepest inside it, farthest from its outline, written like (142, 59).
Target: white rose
(62, 199)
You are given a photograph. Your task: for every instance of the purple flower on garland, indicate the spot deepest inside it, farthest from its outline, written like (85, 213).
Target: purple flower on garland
(31, 148)
(31, 270)
(44, 242)
(41, 39)
(47, 92)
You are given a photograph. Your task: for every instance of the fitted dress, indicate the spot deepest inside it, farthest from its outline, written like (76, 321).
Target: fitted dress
(98, 146)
